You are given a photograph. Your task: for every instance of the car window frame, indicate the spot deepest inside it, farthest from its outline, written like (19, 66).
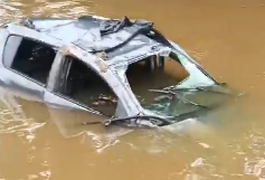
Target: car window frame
(124, 93)
(18, 72)
(56, 77)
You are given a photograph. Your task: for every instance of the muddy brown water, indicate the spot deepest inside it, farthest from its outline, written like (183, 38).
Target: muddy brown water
(226, 37)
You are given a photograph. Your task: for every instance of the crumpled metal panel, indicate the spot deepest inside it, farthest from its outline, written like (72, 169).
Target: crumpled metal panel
(87, 32)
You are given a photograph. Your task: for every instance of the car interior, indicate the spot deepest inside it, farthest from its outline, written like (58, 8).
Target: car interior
(85, 86)
(29, 57)
(154, 72)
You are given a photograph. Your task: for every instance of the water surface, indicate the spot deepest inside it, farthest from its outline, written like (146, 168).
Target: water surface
(226, 37)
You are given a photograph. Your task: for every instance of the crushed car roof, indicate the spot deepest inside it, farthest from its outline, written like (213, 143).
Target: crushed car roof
(94, 34)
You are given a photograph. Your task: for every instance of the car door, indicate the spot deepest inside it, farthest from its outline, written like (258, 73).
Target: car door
(13, 79)
(67, 114)
(56, 80)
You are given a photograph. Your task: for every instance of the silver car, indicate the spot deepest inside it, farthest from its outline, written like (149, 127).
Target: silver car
(123, 70)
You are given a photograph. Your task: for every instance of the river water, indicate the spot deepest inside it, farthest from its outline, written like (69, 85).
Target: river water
(226, 37)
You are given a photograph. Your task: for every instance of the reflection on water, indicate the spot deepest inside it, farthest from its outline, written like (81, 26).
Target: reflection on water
(14, 118)
(227, 37)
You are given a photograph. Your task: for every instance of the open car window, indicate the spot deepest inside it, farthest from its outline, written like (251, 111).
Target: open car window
(31, 58)
(82, 84)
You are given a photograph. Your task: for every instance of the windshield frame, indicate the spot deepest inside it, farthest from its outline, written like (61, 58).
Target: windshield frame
(190, 65)
(190, 82)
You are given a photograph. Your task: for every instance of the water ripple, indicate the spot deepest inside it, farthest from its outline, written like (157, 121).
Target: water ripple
(42, 8)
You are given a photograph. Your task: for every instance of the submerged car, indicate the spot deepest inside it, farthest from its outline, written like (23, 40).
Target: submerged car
(121, 69)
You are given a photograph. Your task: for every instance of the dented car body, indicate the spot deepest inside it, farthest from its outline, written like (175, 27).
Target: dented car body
(64, 62)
